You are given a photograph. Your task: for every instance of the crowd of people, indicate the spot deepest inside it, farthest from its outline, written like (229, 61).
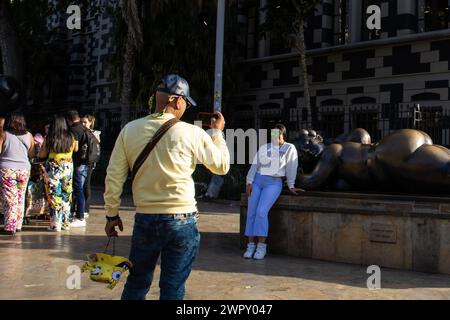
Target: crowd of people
(162, 161)
(65, 155)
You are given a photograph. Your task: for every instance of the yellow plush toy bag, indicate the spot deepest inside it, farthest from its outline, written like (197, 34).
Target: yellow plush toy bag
(106, 268)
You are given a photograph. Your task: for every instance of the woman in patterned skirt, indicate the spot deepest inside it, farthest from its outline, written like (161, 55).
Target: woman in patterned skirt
(16, 145)
(58, 147)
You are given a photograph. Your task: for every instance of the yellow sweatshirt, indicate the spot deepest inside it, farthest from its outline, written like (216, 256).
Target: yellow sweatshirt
(163, 185)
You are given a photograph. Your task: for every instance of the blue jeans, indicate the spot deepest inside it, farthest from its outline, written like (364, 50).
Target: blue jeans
(79, 178)
(265, 192)
(177, 242)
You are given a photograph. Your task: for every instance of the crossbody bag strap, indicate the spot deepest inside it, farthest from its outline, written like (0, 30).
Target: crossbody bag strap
(150, 146)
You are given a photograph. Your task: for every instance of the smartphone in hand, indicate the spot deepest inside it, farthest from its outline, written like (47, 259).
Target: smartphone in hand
(206, 118)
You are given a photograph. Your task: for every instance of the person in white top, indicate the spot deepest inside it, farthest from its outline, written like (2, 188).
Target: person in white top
(272, 162)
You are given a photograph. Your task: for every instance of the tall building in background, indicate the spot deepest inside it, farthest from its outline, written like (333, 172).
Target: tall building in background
(91, 83)
(381, 80)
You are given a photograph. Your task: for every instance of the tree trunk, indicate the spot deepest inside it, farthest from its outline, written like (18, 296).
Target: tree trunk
(304, 68)
(9, 45)
(127, 78)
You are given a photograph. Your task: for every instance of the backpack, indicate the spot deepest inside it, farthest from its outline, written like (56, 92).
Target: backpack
(93, 154)
(89, 147)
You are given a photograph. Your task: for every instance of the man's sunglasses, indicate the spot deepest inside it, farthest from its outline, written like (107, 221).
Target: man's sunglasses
(188, 104)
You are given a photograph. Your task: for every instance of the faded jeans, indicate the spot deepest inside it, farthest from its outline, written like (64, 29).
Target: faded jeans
(265, 193)
(177, 241)
(79, 178)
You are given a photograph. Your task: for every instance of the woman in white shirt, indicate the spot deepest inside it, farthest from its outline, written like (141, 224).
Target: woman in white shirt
(273, 161)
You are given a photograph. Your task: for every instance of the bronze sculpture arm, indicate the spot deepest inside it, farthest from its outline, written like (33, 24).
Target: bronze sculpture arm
(324, 168)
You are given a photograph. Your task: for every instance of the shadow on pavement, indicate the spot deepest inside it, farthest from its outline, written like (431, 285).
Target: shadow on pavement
(220, 252)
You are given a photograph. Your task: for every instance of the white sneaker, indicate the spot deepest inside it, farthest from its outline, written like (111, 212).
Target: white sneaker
(261, 251)
(86, 215)
(251, 247)
(78, 223)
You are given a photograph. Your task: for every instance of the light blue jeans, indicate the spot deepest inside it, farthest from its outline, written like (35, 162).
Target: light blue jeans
(265, 192)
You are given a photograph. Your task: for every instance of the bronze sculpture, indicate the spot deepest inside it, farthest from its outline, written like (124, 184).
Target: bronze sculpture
(404, 161)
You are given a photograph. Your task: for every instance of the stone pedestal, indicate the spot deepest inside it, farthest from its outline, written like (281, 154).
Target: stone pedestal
(403, 232)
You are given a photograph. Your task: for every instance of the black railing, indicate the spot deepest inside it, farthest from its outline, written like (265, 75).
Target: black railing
(380, 120)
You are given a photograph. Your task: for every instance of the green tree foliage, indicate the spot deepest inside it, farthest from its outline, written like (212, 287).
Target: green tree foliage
(41, 53)
(284, 17)
(288, 19)
(179, 37)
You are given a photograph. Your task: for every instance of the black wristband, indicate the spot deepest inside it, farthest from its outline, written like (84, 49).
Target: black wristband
(112, 218)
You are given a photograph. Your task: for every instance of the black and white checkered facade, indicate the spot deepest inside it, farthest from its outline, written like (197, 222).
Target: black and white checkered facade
(91, 83)
(399, 65)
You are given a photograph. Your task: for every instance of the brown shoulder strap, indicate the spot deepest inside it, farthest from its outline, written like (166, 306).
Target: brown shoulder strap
(151, 145)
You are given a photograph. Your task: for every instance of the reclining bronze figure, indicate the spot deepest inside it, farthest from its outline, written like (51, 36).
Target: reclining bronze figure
(404, 161)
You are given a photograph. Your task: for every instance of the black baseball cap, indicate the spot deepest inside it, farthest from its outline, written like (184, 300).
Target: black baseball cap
(176, 85)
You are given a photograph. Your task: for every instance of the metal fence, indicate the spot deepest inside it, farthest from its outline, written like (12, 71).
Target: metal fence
(381, 119)
(330, 121)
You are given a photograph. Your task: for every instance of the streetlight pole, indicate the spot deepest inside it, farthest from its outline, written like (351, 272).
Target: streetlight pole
(219, 55)
(217, 181)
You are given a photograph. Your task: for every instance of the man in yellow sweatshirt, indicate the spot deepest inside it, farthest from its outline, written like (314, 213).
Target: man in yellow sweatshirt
(163, 190)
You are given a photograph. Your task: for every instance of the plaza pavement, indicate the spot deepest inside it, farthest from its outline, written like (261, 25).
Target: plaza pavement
(34, 265)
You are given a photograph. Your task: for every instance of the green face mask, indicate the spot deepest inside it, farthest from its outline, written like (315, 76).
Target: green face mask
(275, 133)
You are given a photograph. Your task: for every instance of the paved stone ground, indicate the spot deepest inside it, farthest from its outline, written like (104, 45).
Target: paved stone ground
(34, 264)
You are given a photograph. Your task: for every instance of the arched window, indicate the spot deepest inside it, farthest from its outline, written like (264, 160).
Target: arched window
(426, 96)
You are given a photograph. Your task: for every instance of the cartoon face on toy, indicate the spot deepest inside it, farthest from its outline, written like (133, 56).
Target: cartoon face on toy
(106, 268)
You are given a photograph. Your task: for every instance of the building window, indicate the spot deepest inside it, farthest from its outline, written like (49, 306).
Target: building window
(367, 119)
(304, 114)
(367, 34)
(364, 100)
(426, 96)
(331, 124)
(278, 46)
(436, 14)
(341, 21)
(432, 123)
